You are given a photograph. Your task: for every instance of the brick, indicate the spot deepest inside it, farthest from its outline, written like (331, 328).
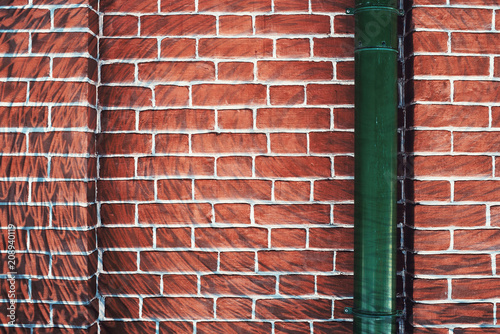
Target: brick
(464, 42)
(175, 327)
(109, 327)
(14, 42)
(177, 119)
(343, 166)
(431, 240)
(175, 165)
(288, 142)
(475, 288)
(220, 95)
(25, 263)
(453, 313)
(452, 18)
(234, 166)
(119, 307)
(235, 25)
(139, 190)
(11, 166)
(73, 168)
(13, 91)
(147, 6)
(11, 191)
(64, 192)
(475, 141)
(229, 143)
(232, 213)
(294, 71)
(293, 309)
(178, 25)
(178, 48)
(475, 330)
(125, 237)
(74, 265)
(192, 213)
(444, 216)
(74, 117)
(109, 143)
(180, 284)
(452, 264)
(237, 261)
(293, 47)
(235, 71)
(24, 67)
(13, 142)
(218, 238)
(344, 261)
(452, 166)
(345, 70)
(179, 261)
(429, 141)
(292, 24)
(295, 118)
(442, 65)
(234, 308)
(277, 167)
(120, 25)
(174, 189)
(302, 214)
(288, 238)
(334, 190)
(171, 143)
(429, 90)
(113, 73)
(477, 191)
(177, 6)
(119, 261)
(292, 327)
(28, 314)
(338, 285)
(116, 167)
(117, 214)
(464, 91)
(334, 47)
(76, 18)
(63, 42)
(292, 191)
(483, 239)
(429, 41)
(230, 48)
(62, 240)
(476, 2)
(168, 95)
(115, 48)
(129, 284)
(238, 285)
(234, 6)
(431, 115)
(295, 261)
(233, 189)
(233, 327)
(116, 96)
(177, 71)
(430, 289)
(62, 92)
(173, 237)
(74, 216)
(296, 285)
(332, 142)
(77, 67)
(495, 114)
(331, 238)
(286, 95)
(430, 191)
(343, 24)
(330, 94)
(23, 116)
(24, 215)
(25, 18)
(63, 290)
(329, 6)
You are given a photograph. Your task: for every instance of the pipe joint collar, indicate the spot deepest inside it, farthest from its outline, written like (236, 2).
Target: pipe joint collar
(373, 315)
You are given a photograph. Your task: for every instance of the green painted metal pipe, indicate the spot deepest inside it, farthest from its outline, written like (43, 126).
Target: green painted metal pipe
(376, 106)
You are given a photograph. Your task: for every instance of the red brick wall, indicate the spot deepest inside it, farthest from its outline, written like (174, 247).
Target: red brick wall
(452, 119)
(224, 166)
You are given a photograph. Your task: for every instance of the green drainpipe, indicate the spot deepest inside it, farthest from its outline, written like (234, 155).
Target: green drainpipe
(376, 105)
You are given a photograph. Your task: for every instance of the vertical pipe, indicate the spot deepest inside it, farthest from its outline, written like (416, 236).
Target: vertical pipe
(375, 166)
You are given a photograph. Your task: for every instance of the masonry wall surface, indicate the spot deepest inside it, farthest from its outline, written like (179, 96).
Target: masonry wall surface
(187, 167)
